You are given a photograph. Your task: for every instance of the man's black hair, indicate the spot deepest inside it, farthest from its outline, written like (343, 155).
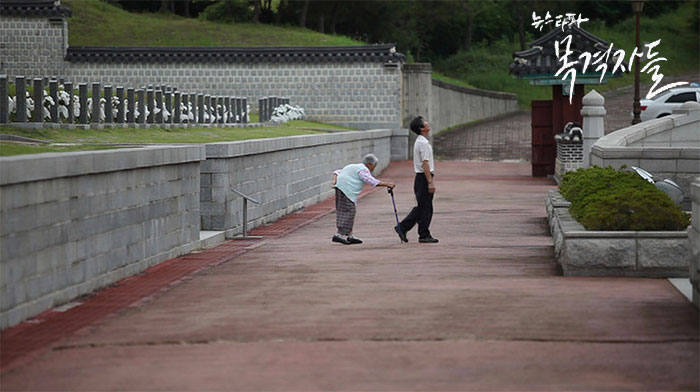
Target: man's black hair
(417, 125)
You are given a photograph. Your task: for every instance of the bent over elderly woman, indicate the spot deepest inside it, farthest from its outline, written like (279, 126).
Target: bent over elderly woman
(348, 183)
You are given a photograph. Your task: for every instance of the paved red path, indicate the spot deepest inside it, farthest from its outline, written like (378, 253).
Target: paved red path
(485, 309)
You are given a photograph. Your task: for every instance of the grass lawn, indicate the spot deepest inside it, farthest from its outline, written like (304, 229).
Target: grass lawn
(10, 149)
(93, 138)
(96, 23)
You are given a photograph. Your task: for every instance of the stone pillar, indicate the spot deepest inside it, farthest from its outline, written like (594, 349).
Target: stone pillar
(4, 92)
(82, 99)
(130, 105)
(168, 105)
(141, 94)
(53, 93)
(176, 112)
(38, 114)
(417, 98)
(244, 110)
(262, 108)
(21, 96)
(694, 241)
(159, 106)
(95, 103)
(69, 89)
(200, 108)
(108, 104)
(120, 105)
(593, 114)
(149, 104)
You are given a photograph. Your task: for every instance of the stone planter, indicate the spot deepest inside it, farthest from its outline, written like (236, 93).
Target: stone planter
(580, 252)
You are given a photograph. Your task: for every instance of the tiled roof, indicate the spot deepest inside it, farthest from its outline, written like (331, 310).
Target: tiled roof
(368, 53)
(541, 59)
(35, 8)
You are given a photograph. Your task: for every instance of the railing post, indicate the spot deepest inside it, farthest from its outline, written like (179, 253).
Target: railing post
(95, 103)
(244, 110)
(120, 105)
(108, 104)
(38, 114)
(130, 105)
(68, 88)
(53, 93)
(220, 110)
(4, 103)
(82, 99)
(149, 104)
(593, 113)
(141, 94)
(21, 96)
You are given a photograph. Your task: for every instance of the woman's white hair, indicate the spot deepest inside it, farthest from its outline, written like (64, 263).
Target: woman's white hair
(370, 159)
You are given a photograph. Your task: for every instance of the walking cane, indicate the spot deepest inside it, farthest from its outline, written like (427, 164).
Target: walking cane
(396, 214)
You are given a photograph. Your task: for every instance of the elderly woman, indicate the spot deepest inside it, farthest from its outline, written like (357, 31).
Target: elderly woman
(348, 183)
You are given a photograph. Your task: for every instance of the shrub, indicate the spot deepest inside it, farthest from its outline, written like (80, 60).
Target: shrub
(618, 200)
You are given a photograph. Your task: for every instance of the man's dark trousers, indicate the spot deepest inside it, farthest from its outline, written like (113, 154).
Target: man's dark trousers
(423, 212)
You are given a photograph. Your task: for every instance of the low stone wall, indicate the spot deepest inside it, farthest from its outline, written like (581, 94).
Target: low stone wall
(453, 105)
(614, 253)
(71, 223)
(667, 147)
(284, 174)
(694, 242)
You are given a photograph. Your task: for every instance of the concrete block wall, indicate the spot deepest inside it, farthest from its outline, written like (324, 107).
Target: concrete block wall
(33, 47)
(71, 223)
(284, 174)
(694, 240)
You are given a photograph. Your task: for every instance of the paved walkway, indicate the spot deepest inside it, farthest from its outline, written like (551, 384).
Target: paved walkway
(509, 137)
(485, 309)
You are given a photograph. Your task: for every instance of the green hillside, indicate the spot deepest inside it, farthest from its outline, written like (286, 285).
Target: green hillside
(96, 23)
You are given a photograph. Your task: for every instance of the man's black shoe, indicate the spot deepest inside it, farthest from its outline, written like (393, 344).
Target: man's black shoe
(339, 239)
(401, 234)
(354, 240)
(429, 240)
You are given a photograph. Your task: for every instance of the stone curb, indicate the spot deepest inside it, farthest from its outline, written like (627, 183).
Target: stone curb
(582, 252)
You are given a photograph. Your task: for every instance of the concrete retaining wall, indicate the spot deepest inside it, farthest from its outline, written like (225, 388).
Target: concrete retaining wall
(581, 252)
(284, 174)
(74, 222)
(694, 242)
(452, 105)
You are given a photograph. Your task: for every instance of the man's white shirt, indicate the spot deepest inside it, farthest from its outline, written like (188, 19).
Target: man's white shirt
(422, 151)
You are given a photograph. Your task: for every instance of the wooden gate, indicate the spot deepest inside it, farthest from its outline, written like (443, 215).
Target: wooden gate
(544, 149)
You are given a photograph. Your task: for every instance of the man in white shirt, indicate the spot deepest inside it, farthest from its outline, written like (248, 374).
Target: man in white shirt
(423, 185)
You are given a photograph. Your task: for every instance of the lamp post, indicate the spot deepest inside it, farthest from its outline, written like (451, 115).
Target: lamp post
(637, 6)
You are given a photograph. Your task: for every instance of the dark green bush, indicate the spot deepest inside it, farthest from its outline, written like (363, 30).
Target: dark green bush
(620, 200)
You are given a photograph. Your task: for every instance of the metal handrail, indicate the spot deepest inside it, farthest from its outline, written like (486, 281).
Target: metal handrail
(245, 213)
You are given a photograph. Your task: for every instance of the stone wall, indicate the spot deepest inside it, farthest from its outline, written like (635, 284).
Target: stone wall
(284, 174)
(694, 240)
(362, 95)
(453, 105)
(71, 223)
(33, 47)
(667, 147)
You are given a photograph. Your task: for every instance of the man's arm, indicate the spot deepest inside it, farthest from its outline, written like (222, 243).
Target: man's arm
(428, 176)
